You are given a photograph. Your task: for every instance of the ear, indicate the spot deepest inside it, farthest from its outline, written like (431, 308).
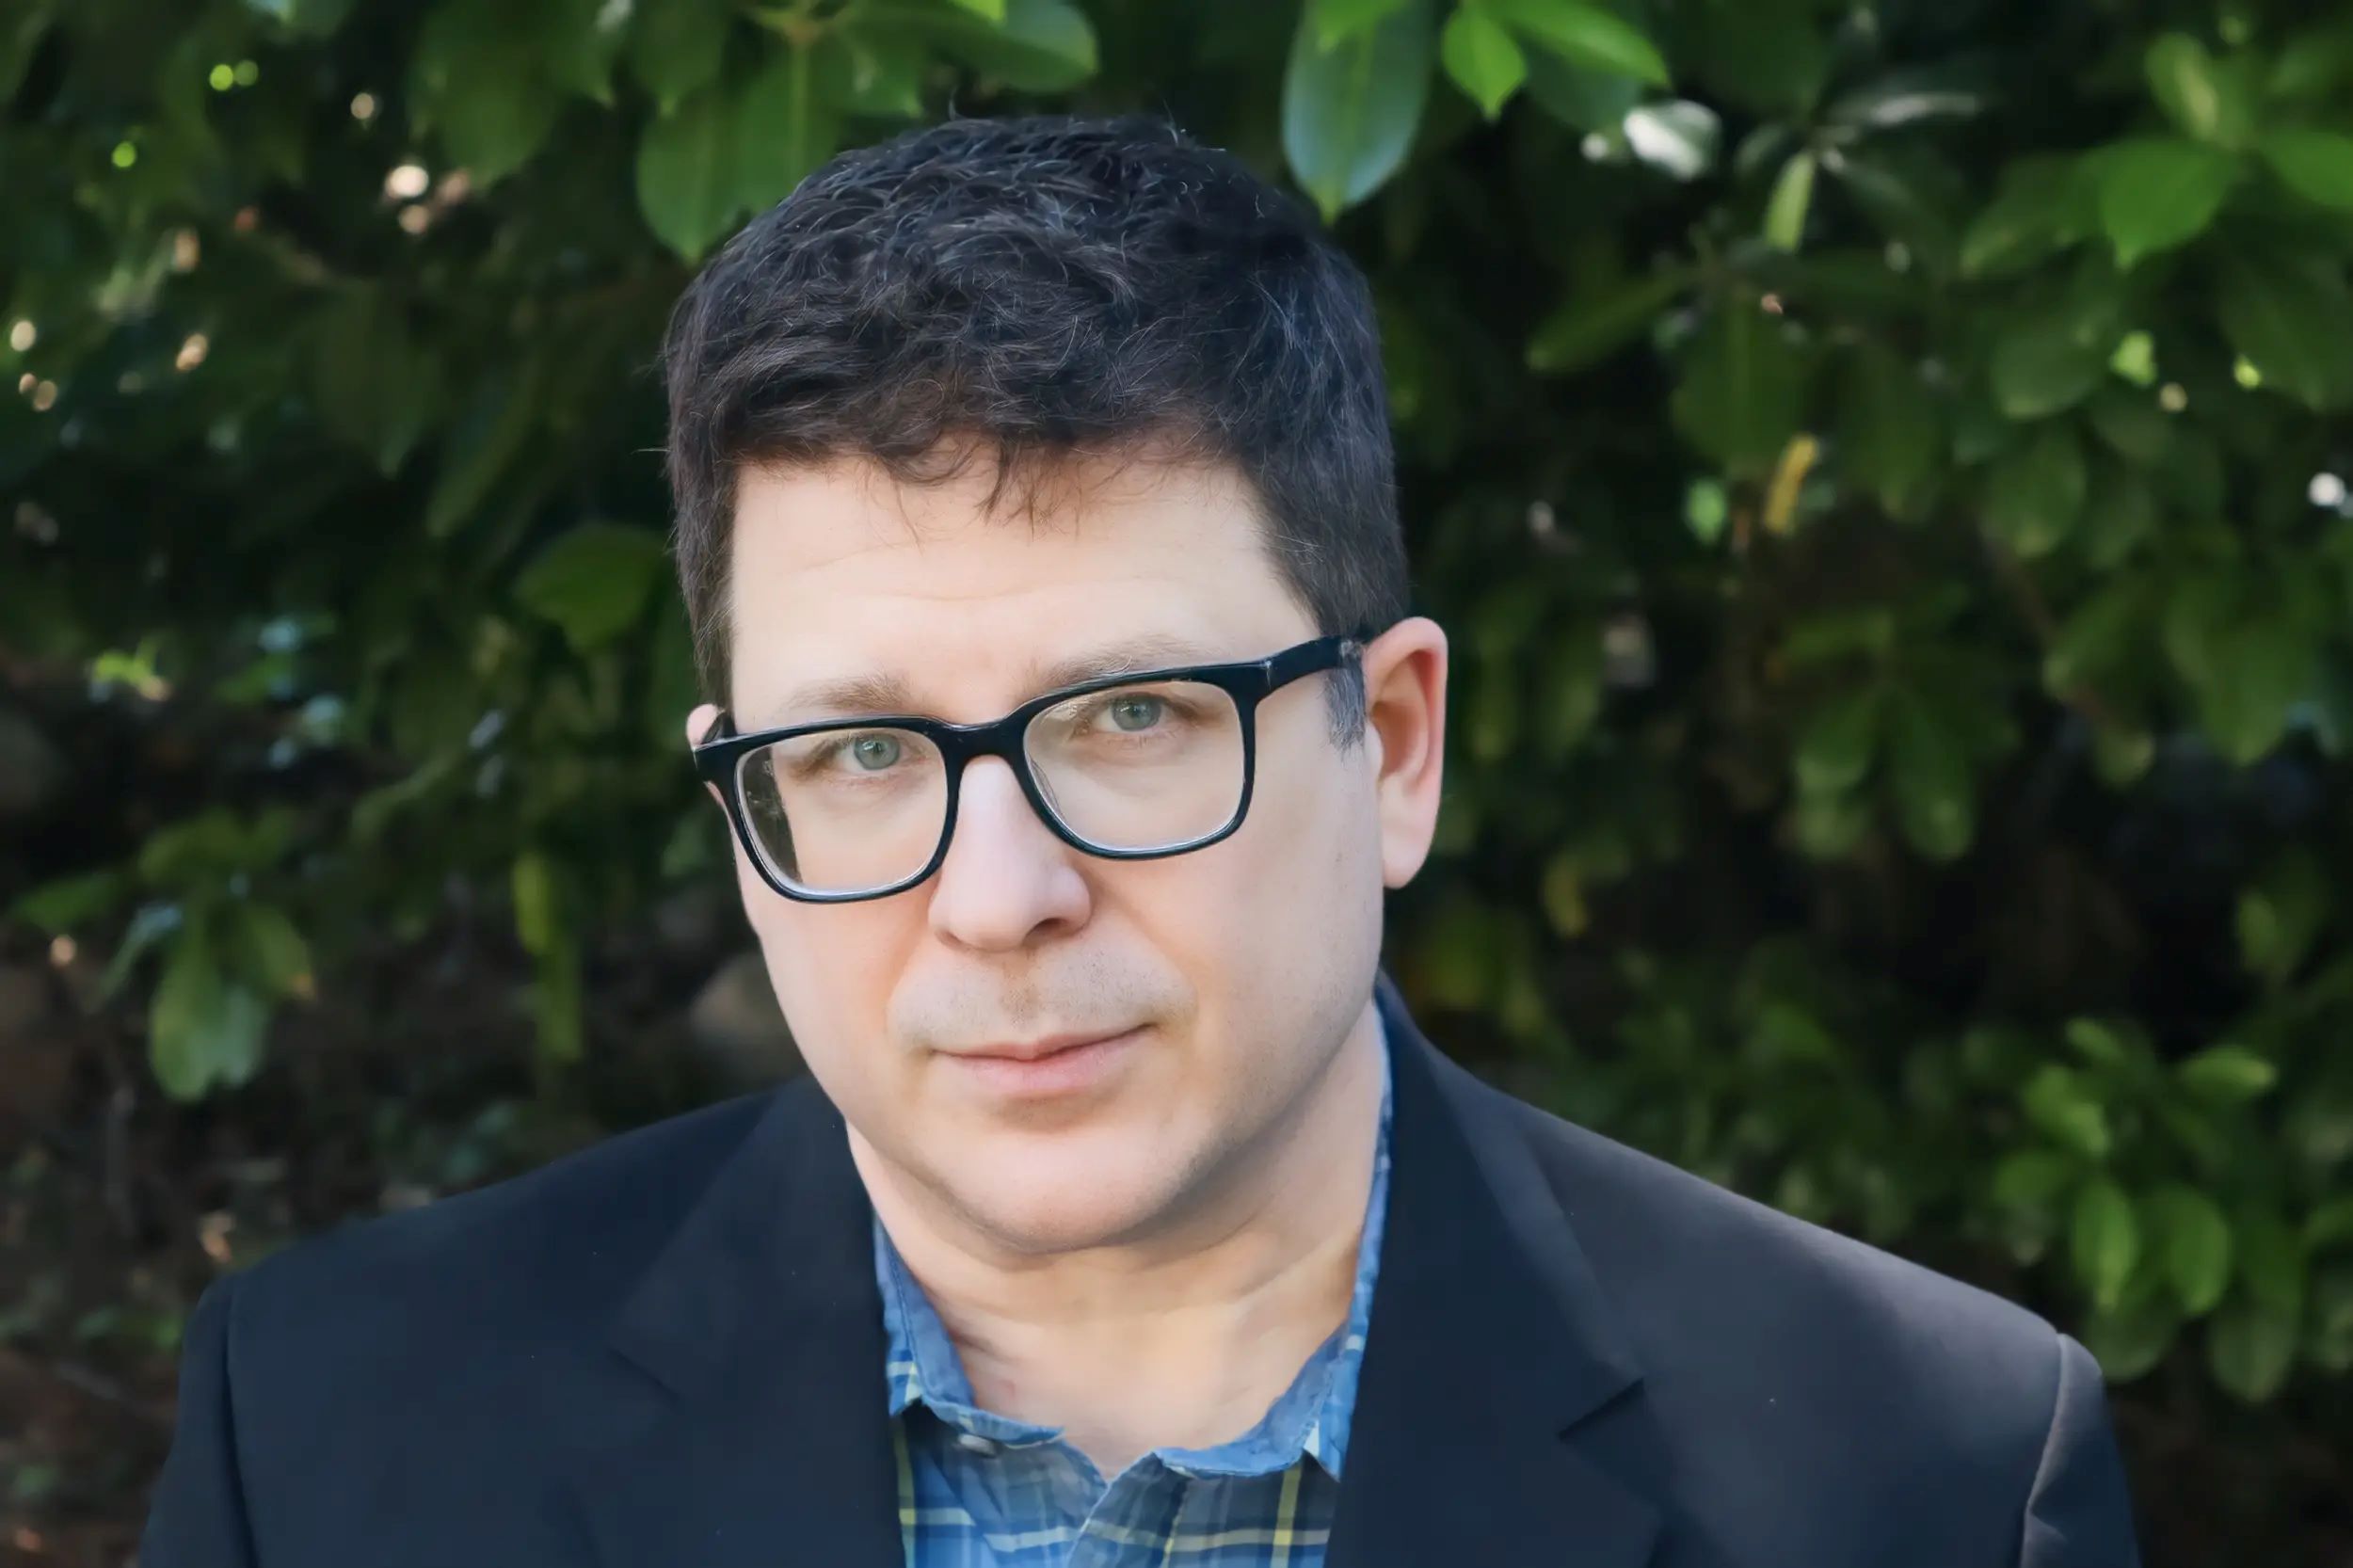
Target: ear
(1405, 711)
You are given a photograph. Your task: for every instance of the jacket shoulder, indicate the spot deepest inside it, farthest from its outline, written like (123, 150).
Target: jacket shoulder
(553, 1242)
(1732, 1307)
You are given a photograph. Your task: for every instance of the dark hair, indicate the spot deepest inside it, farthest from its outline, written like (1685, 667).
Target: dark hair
(1036, 288)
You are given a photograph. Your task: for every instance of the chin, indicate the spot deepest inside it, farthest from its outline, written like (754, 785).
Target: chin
(1056, 1206)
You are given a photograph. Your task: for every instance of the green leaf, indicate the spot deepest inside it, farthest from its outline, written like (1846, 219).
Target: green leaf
(1742, 389)
(1910, 195)
(2132, 1338)
(2106, 1240)
(2056, 1102)
(151, 924)
(2132, 423)
(676, 47)
(2281, 916)
(1830, 826)
(2248, 659)
(594, 580)
(203, 1028)
(2249, 1348)
(1836, 750)
(1588, 328)
(2052, 359)
(556, 1003)
(1958, 90)
(863, 74)
(1595, 102)
(1676, 137)
(478, 73)
(374, 384)
(1935, 794)
(1339, 19)
(1482, 58)
(541, 919)
(2034, 1179)
(2265, 668)
(2330, 1224)
(2311, 64)
(686, 182)
(2206, 100)
(2271, 1261)
(493, 125)
(2035, 495)
(1768, 57)
(69, 902)
(2103, 634)
(1041, 46)
(1784, 210)
(2292, 316)
(482, 447)
(1889, 433)
(2195, 1237)
(1561, 891)
(1491, 723)
(1570, 698)
(2099, 1044)
(2157, 192)
(2121, 753)
(580, 40)
(991, 10)
(1584, 34)
(264, 950)
(314, 18)
(20, 36)
(2317, 165)
(2328, 1339)
(783, 130)
(2227, 1074)
(1350, 112)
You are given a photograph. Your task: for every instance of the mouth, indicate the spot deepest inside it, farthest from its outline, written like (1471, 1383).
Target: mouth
(1058, 1064)
(1038, 1050)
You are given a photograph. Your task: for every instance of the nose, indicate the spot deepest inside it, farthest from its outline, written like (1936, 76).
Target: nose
(1007, 880)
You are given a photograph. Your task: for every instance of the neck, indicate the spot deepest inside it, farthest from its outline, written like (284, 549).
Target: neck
(1186, 1337)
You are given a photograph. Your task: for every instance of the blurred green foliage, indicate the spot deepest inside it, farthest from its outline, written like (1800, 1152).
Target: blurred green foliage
(1879, 461)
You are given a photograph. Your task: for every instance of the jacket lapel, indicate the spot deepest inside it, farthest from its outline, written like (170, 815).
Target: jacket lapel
(749, 1425)
(1491, 1353)
(751, 1429)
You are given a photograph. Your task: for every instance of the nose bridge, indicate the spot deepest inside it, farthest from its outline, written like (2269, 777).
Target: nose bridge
(1006, 874)
(1003, 743)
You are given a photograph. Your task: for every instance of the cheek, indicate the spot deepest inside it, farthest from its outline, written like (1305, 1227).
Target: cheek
(1292, 887)
(826, 965)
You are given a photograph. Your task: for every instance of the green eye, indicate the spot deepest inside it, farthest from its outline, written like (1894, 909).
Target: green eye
(874, 752)
(1145, 711)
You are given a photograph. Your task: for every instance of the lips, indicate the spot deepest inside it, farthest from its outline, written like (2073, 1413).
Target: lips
(1038, 1050)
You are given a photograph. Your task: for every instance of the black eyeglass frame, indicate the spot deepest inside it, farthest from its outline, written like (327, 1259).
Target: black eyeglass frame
(718, 757)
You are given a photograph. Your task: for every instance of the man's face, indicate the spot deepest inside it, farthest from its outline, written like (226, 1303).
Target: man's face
(1241, 968)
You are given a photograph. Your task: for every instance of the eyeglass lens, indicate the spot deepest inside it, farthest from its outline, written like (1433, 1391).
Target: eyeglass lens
(1155, 765)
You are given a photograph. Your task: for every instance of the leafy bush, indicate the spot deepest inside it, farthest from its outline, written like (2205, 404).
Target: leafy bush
(1879, 461)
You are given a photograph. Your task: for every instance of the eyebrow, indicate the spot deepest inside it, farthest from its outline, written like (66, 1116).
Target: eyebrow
(890, 692)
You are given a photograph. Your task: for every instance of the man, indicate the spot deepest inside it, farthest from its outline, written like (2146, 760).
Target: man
(1035, 515)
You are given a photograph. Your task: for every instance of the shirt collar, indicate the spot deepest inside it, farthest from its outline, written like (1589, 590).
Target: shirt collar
(1311, 1417)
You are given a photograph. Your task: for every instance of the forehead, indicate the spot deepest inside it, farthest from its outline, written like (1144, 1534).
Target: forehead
(841, 575)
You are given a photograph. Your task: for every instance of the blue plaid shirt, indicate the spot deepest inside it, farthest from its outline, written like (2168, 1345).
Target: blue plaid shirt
(977, 1490)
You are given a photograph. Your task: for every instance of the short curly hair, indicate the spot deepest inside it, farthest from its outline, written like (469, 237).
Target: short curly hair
(1032, 288)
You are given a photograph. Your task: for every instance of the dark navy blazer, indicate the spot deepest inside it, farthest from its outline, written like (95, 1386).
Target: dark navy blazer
(666, 1352)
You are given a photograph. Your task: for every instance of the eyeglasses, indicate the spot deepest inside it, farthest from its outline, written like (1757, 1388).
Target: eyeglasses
(1129, 767)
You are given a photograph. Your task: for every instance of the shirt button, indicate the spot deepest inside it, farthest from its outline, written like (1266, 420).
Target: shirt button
(972, 1442)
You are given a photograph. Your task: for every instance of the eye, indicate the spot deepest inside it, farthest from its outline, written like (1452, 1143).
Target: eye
(1133, 711)
(876, 752)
